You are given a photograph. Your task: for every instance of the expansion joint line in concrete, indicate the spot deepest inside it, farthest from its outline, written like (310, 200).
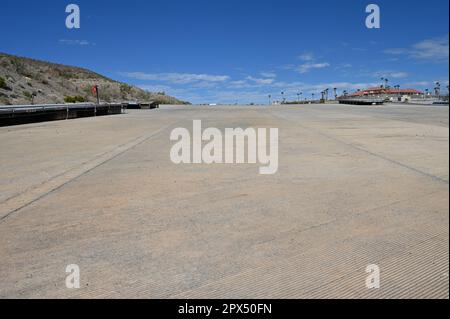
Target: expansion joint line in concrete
(361, 149)
(30, 196)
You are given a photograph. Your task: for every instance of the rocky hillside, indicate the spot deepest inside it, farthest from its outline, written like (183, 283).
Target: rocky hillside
(23, 81)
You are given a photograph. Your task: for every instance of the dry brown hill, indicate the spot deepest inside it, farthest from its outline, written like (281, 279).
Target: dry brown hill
(23, 81)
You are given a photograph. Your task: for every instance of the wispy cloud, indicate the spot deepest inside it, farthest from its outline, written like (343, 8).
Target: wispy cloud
(391, 74)
(308, 56)
(260, 81)
(241, 91)
(75, 42)
(307, 67)
(268, 74)
(433, 50)
(310, 63)
(417, 83)
(177, 78)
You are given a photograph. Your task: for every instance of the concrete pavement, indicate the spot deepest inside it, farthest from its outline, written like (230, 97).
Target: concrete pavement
(355, 186)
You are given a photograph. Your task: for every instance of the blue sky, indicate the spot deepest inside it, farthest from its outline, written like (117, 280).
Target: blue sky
(216, 51)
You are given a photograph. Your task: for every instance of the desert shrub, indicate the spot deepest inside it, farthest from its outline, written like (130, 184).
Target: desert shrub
(20, 68)
(3, 84)
(27, 94)
(4, 100)
(74, 99)
(125, 89)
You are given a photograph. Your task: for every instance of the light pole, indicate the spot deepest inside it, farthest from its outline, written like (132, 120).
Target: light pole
(33, 95)
(397, 87)
(438, 90)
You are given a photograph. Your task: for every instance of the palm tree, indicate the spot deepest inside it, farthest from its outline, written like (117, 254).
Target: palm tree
(270, 99)
(438, 89)
(282, 95)
(335, 93)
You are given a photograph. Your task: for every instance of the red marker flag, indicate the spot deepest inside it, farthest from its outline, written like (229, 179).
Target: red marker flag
(94, 89)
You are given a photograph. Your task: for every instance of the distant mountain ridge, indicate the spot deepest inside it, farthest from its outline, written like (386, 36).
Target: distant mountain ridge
(24, 80)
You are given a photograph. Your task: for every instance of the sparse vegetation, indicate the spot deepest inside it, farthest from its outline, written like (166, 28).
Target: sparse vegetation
(27, 95)
(3, 84)
(56, 83)
(74, 99)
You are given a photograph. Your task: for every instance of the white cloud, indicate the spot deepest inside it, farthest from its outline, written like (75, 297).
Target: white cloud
(265, 81)
(268, 74)
(419, 83)
(391, 74)
(305, 68)
(307, 57)
(75, 42)
(433, 50)
(177, 78)
(242, 91)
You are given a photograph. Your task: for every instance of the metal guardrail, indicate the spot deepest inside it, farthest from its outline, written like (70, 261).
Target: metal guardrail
(13, 114)
(49, 107)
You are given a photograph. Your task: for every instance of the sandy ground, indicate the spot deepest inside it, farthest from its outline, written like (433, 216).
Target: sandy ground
(355, 186)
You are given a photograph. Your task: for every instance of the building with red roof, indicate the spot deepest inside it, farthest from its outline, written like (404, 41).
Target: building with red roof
(377, 92)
